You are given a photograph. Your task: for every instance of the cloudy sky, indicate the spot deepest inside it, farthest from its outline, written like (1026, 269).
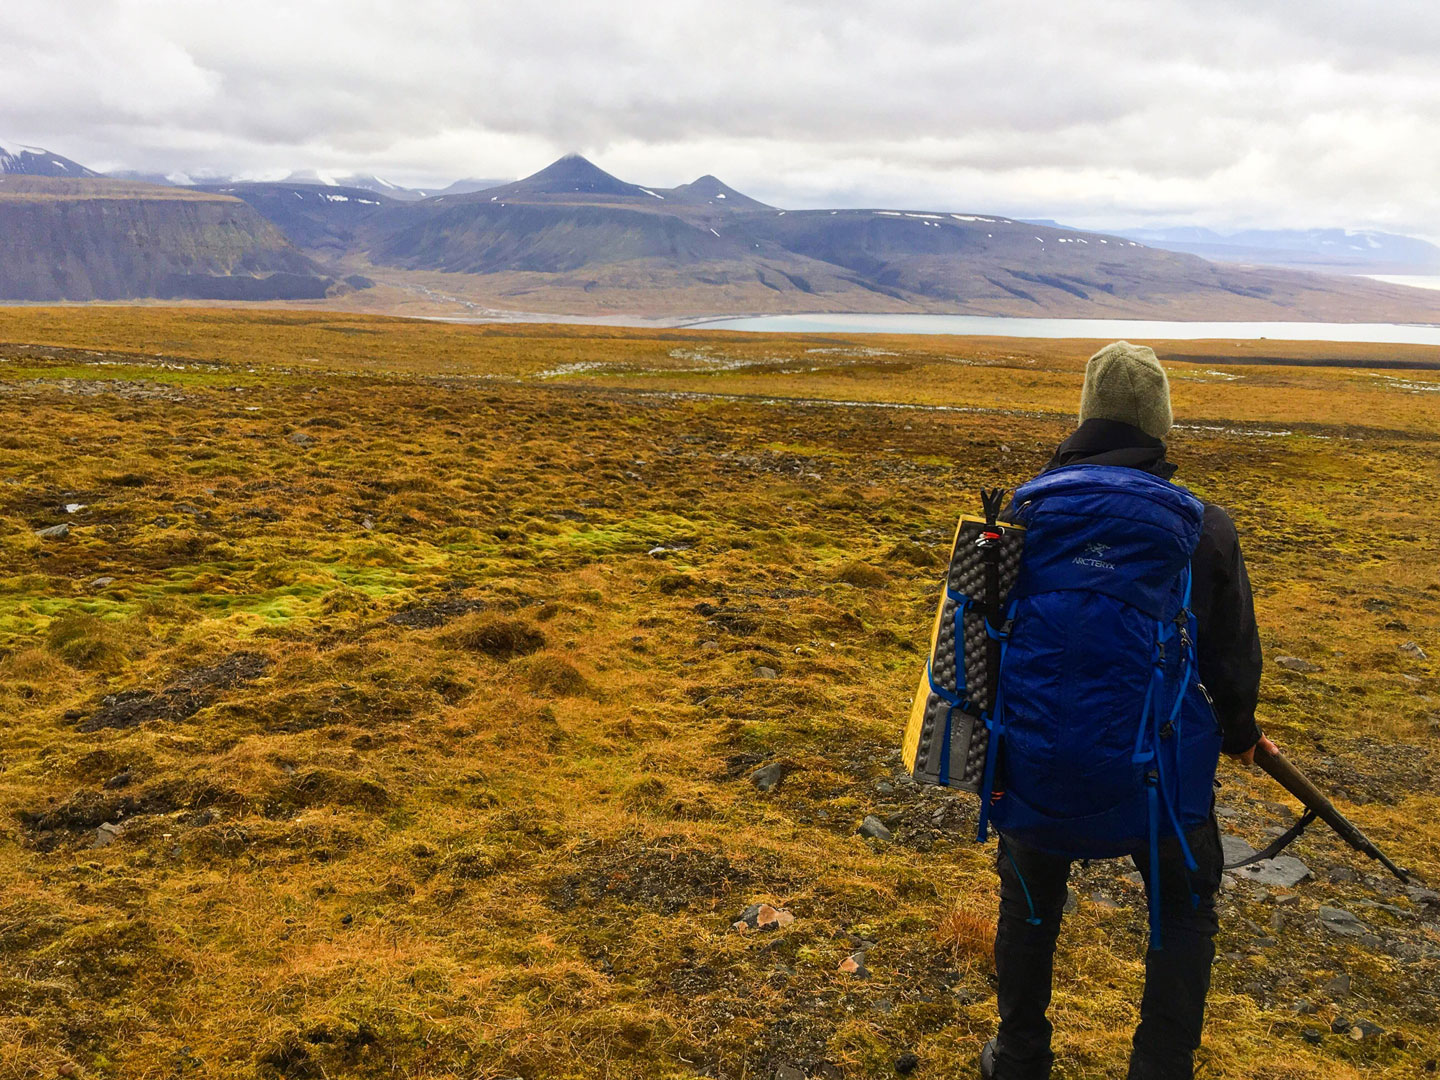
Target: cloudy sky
(1110, 112)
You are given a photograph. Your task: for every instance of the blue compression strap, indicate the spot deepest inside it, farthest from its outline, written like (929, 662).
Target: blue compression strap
(954, 702)
(947, 696)
(1172, 795)
(1157, 788)
(1142, 755)
(995, 724)
(962, 605)
(956, 699)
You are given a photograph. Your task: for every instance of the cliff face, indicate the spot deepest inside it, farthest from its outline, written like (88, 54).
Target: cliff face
(109, 240)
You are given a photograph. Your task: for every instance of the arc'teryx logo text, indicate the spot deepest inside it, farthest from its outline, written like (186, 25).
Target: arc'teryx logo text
(1094, 557)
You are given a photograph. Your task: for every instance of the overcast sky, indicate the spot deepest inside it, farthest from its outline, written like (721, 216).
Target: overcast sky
(1119, 112)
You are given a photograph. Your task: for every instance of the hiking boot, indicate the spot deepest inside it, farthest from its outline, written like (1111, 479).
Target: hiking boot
(987, 1061)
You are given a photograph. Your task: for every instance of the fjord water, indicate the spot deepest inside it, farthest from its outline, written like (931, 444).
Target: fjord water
(1134, 329)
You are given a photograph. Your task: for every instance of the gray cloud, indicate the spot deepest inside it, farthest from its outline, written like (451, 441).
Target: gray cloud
(1108, 111)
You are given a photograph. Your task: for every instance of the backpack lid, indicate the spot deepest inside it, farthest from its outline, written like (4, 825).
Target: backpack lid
(1108, 529)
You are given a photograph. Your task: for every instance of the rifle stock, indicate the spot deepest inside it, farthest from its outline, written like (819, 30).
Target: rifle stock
(1298, 784)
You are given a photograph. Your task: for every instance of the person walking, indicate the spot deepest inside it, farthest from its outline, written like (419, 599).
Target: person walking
(1132, 661)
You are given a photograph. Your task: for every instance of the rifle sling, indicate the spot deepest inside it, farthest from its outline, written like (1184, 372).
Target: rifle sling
(1279, 844)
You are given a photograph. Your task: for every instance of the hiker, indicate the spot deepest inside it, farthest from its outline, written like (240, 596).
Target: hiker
(1125, 415)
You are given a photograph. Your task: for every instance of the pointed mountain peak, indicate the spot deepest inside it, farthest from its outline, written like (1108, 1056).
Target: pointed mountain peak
(712, 191)
(573, 174)
(571, 178)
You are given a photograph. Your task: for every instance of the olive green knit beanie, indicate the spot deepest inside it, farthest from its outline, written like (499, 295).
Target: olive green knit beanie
(1126, 382)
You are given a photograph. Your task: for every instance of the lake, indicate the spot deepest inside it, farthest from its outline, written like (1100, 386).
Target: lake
(1130, 329)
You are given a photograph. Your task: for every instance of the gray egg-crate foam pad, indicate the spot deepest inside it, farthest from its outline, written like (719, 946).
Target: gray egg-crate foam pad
(925, 738)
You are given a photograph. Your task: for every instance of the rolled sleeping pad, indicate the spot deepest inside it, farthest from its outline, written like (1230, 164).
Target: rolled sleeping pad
(945, 740)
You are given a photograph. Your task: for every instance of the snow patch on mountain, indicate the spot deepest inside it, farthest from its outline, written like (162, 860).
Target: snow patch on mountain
(25, 160)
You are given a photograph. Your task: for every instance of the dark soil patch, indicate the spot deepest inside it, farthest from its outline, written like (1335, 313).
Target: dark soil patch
(691, 979)
(326, 705)
(89, 809)
(191, 691)
(438, 613)
(665, 877)
(799, 1042)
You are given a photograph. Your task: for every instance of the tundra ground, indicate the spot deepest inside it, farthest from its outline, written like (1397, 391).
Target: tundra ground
(390, 702)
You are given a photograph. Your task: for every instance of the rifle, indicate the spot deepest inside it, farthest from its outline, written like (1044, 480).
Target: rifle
(1316, 805)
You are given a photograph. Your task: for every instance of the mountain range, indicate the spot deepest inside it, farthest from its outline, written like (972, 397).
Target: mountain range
(308, 177)
(1343, 251)
(574, 238)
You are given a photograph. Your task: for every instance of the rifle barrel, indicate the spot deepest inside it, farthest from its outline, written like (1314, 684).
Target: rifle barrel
(1298, 784)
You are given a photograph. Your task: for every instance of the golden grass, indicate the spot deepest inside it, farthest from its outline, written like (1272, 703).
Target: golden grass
(440, 665)
(969, 935)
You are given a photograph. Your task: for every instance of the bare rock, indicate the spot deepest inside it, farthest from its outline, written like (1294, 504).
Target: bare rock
(1338, 987)
(1423, 897)
(875, 829)
(768, 777)
(54, 532)
(762, 917)
(1339, 921)
(1294, 663)
(854, 964)
(1414, 651)
(1234, 848)
(1281, 872)
(106, 834)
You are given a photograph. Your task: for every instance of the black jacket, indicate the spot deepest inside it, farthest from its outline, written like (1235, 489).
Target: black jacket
(1228, 645)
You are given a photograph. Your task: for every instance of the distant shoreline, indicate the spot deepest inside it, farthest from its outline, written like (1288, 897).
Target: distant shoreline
(1000, 326)
(879, 323)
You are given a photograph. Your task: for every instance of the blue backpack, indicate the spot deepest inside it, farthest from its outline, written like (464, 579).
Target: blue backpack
(1102, 738)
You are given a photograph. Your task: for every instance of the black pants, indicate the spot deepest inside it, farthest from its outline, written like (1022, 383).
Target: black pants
(1177, 976)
